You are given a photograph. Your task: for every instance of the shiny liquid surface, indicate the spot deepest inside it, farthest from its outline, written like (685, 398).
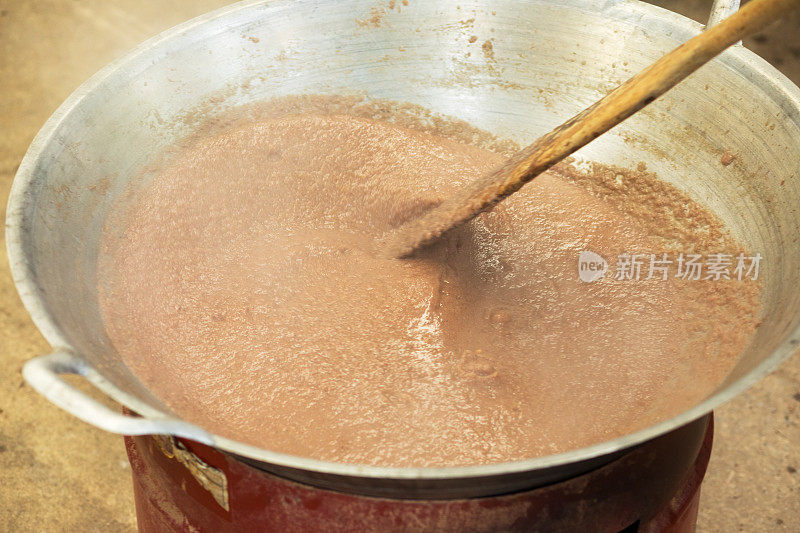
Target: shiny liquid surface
(244, 286)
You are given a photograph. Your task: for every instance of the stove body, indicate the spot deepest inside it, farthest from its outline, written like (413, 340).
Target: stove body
(185, 486)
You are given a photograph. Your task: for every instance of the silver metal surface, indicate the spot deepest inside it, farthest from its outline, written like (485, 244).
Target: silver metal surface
(720, 10)
(551, 58)
(43, 373)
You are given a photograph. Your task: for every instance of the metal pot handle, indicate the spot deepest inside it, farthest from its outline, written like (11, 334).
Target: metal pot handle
(43, 373)
(720, 10)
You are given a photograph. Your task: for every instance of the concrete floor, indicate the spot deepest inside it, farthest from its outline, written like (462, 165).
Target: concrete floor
(59, 474)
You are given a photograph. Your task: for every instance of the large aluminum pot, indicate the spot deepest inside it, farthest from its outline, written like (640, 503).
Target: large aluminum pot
(548, 59)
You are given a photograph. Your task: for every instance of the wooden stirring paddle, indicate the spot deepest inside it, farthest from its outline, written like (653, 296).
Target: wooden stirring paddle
(639, 91)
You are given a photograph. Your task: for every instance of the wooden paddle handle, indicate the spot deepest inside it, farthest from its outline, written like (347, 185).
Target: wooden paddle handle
(621, 103)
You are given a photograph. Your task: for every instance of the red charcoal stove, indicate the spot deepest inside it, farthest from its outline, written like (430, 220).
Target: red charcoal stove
(181, 485)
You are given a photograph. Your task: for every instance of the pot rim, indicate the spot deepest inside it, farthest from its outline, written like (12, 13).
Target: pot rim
(22, 199)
